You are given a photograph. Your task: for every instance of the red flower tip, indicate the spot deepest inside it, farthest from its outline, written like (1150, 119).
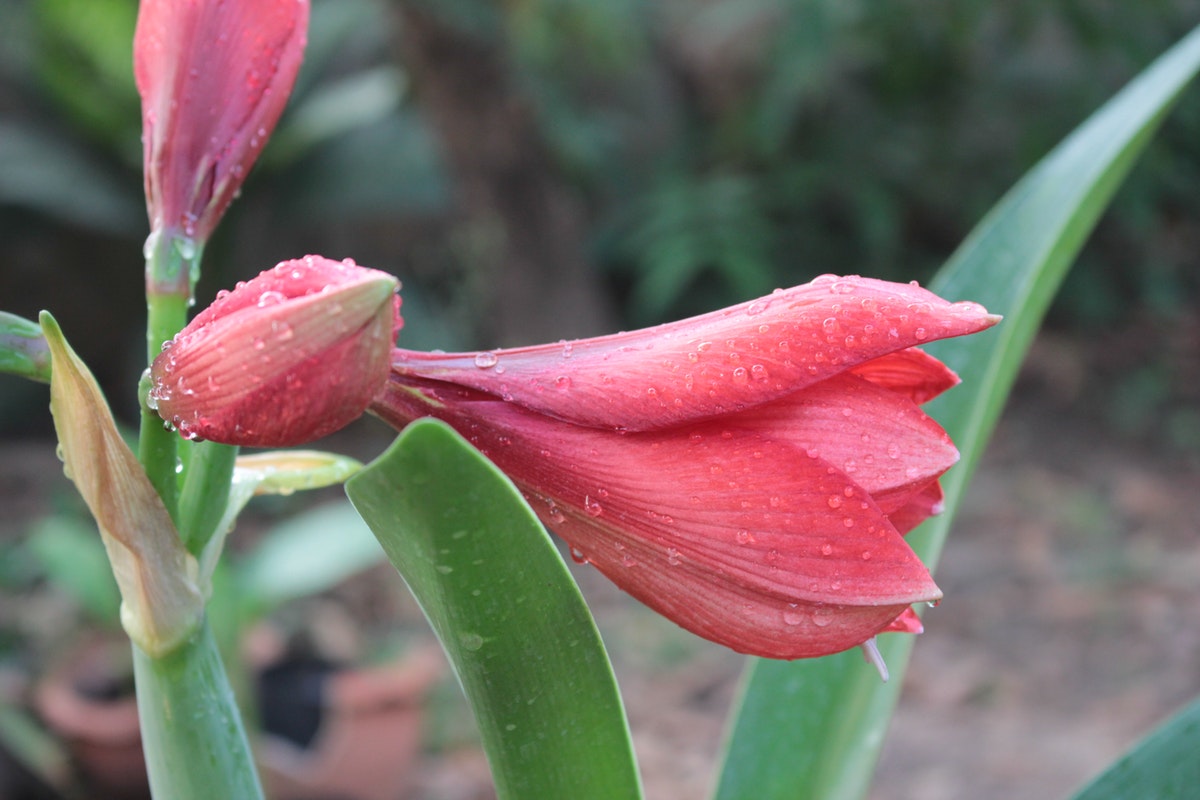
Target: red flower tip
(214, 78)
(748, 473)
(290, 356)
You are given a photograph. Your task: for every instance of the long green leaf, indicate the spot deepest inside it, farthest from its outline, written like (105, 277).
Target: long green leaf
(1163, 766)
(508, 614)
(813, 729)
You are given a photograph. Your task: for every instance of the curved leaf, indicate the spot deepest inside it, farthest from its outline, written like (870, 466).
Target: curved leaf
(1163, 765)
(508, 614)
(813, 729)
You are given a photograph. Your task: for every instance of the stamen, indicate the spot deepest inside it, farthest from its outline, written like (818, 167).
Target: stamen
(871, 653)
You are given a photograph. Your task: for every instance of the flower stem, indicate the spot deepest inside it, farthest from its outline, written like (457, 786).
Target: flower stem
(171, 260)
(192, 732)
(205, 493)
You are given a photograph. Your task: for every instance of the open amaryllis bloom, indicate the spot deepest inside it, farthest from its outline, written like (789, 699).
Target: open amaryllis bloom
(748, 473)
(214, 77)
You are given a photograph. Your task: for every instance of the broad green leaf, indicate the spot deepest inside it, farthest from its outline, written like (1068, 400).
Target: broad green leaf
(1162, 766)
(508, 614)
(813, 729)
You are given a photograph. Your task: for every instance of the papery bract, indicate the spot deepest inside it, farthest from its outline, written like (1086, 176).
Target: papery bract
(747, 473)
(161, 602)
(292, 355)
(214, 78)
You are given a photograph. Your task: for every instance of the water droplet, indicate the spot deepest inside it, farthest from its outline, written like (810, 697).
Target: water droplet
(759, 372)
(577, 555)
(562, 382)
(757, 307)
(792, 615)
(744, 537)
(485, 360)
(592, 507)
(628, 561)
(470, 641)
(834, 501)
(822, 617)
(919, 334)
(848, 522)
(258, 343)
(893, 450)
(271, 298)
(672, 556)
(826, 549)
(866, 555)
(740, 375)
(445, 569)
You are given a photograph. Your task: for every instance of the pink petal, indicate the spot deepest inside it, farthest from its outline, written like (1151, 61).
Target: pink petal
(928, 502)
(907, 622)
(912, 372)
(879, 438)
(743, 540)
(713, 364)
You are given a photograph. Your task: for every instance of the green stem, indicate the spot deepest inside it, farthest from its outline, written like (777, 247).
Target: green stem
(205, 493)
(192, 732)
(171, 260)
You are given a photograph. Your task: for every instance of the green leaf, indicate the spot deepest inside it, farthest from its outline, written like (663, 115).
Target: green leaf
(508, 614)
(1162, 766)
(813, 729)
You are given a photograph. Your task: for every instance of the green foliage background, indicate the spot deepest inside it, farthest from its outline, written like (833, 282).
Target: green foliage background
(718, 148)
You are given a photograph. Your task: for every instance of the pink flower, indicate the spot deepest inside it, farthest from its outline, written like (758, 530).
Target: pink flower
(292, 355)
(747, 473)
(214, 77)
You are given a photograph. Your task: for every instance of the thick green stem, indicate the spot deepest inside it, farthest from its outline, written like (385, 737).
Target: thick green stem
(192, 732)
(171, 261)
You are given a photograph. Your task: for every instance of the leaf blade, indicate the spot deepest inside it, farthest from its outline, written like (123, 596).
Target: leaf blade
(508, 613)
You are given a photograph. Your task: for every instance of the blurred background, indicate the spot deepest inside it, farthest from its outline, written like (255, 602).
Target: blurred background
(545, 169)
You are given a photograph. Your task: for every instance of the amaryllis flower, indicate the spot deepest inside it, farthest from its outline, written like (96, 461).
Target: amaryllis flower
(214, 77)
(294, 354)
(748, 473)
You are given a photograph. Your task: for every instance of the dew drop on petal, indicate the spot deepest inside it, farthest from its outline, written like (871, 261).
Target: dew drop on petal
(672, 556)
(592, 507)
(792, 615)
(485, 360)
(821, 617)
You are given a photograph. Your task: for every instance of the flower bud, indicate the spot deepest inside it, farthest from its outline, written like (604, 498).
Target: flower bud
(214, 78)
(288, 357)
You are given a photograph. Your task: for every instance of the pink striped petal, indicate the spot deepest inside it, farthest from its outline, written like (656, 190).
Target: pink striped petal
(714, 364)
(740, 538)
(912, 372)
(879, 438)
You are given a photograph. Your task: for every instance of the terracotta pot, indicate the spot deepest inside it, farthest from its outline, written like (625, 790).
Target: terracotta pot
(87, 701)
(367, 738)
